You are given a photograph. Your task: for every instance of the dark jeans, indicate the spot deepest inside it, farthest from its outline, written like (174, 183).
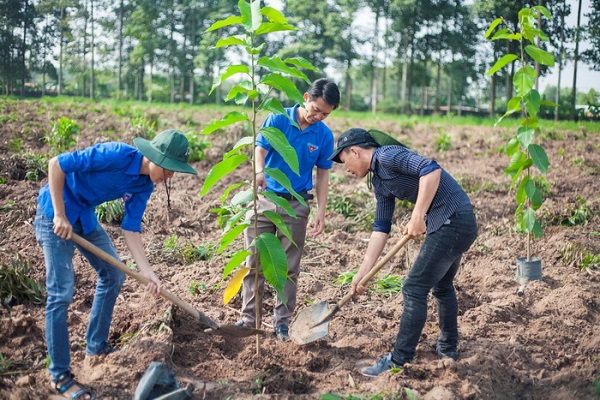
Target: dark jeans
(435, 268)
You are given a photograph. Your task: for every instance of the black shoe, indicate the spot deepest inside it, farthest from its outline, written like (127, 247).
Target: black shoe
(282, 333)
(447, 353)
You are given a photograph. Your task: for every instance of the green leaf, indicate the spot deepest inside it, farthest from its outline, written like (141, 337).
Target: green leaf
(243, 197)
(273, 15)
(277, 139)
(273, 105)
(523, 83)
(230, 188)
(525, 136)
(506, 59)
(236, 260)
(283, 84)
(533, 194)
(220, 170)
(280, 224)
(240, 144)
(539, 157)
(235, 218)
(251, 16)
(232, 41)
(273, 262)
(512, 146)
(300, 62)
(229, 119)
(521, 194)
(513, 105)
(508, 36)
(269, 27)
(549, 103)
(230, 71)
(529, 219)
(537, 231)
(532, 102)
(230, 236)
(539, 55)
(283, 180)
(500, 32)
(277, 65)
(235, 19)
(544, 11)
(493, 26)
(280, 202)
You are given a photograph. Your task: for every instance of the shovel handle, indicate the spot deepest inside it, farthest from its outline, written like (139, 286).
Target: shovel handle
(365, 278)
(142, 279)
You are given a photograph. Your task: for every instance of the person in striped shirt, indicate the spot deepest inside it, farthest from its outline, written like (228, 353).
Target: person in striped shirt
(442, 211)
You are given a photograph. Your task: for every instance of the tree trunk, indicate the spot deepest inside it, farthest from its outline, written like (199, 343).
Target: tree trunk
(374, 64)
(348, 87)
(560, 61)
(120, 56)
(438, 78)
(93, 52)
(23, 50)
(404, 65)
(493, 96)
(60, 53)
(84, 51)
(575, 59)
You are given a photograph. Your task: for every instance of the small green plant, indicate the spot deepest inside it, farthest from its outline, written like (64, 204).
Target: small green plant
(62, 135)
(344, 205)
(111, 211)
(196, 287)
(15, 145)
(388, 285)
(171, 243)
(4, 363)
(143, 127)
(345, 278)
(16, 286)
(197, 145)
(579, 215)
(521, 149)
(596, 384)
(576, 255)
(9, 205)
(443, 142)
(36, 166)
(200, 252)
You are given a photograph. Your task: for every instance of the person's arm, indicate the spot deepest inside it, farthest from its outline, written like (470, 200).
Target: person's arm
(259, 159)
(321, 188)
(56, 183)
(376, 244)
(136, 248)
(428, 186)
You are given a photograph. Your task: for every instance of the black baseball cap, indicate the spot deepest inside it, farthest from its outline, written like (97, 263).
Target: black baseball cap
(352, 137)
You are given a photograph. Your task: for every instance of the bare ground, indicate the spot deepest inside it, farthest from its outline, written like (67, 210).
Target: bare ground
(543, 345)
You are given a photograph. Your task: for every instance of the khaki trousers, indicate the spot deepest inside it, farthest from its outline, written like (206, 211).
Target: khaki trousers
(281, 314)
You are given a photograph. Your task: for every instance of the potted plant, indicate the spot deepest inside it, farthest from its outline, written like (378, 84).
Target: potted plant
(526, 157)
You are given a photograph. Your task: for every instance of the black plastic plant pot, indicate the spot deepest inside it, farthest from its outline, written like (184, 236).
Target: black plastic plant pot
(528, 270)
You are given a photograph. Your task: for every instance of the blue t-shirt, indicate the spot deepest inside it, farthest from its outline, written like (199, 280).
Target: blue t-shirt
(100, 173)
(313, 145)
(396, 174)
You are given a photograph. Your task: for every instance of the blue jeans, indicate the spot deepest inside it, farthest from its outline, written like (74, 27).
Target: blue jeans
(434, 270)
(60, 285)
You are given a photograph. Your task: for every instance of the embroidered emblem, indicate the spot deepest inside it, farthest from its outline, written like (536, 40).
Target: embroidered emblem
(127, 196)
(312, 147)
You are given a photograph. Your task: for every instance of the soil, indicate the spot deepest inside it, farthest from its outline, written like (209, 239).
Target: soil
(543, 344)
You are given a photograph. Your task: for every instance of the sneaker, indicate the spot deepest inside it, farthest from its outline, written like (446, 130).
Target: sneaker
(446, 354)
(241, 323)
(385, 363)
(282, 333)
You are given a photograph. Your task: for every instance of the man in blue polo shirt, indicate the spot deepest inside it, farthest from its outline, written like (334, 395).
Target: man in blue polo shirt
(313, 143)
(77, 183)
(442, 210)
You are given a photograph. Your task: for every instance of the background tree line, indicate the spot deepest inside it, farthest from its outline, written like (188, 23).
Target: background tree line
(415, 56)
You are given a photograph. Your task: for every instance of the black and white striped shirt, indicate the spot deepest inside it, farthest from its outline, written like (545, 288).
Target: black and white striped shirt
(396, 174)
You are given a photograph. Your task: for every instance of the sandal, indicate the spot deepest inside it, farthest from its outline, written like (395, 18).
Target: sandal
(65, 382)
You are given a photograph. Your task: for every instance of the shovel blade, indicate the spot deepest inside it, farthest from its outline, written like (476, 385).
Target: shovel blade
(303, 330)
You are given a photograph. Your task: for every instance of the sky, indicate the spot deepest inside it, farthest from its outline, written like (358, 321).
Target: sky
(586, 78)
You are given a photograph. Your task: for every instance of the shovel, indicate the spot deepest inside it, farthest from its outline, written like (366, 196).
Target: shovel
(312, 323)
(229, 329)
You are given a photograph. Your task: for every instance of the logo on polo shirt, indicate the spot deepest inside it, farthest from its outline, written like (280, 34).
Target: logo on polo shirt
(312, 147)
(127, 196)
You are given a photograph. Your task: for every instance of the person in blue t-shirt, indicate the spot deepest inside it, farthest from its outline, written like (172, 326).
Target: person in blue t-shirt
(313, 143)
(77, 183)
(442, 210)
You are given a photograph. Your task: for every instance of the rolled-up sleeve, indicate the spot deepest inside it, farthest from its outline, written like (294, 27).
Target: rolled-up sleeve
(135, 206)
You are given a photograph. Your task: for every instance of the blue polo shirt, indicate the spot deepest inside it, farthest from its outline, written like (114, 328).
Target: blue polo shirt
(396, 174)
(313, 145)
(100, 173)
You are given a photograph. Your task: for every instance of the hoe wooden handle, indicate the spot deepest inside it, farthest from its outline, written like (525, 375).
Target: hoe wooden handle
(143, 280)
